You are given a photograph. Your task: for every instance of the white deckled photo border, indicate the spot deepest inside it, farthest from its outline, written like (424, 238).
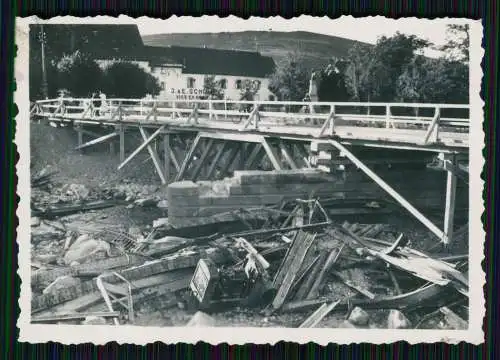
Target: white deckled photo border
(97, 334)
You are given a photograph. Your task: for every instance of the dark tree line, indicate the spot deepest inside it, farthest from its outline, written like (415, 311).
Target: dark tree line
(79, 75)
(393, 70)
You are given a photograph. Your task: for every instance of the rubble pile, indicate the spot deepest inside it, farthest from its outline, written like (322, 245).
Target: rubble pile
(287, 265)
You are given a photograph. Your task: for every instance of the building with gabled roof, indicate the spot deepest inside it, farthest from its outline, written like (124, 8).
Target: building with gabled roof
(181, 71)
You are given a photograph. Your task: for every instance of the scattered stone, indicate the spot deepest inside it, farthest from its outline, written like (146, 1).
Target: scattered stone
(160, 222)
(35, 221)
(94, 320)
(162, 204)
(200, 319)
(359, 317)
(397, 320)
(47, 258)
(347, 325)
(145, 202)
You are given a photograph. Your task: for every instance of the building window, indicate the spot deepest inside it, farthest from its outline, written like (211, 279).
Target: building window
(162, 85)
(223, 83)
(163, 70)
(191, 82)
(271, 97)
(256, 85)
(238, 84)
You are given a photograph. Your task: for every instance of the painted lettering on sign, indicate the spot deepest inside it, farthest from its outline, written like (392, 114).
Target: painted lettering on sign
(187, 93)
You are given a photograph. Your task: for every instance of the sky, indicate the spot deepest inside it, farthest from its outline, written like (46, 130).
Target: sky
(367, 29)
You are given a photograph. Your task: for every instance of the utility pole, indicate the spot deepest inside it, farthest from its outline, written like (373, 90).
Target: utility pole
(45, 87)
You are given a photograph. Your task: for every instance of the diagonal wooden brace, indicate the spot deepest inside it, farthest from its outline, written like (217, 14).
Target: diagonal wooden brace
(154, 156)
(328, 128)
(433, 131)
(98, 140)
(393, 193)
(142, 146)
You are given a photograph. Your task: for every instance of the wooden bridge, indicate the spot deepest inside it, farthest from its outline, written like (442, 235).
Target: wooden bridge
(208, 139)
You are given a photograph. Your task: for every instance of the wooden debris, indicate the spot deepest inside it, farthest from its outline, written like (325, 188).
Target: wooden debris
(330, 261)
(170, 263)
(77, 316)
(95, 267)
(310, 278)
(319, 314)
(455, 321)
(291, 266)
(354, 286)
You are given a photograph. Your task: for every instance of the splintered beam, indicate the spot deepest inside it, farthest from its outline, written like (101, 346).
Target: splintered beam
(401, 200)
(142, 146)
(97, 141)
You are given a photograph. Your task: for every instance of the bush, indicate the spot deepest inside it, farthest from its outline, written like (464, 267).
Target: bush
(127, 80)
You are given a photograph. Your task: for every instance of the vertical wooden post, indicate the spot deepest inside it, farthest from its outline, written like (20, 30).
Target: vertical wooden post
(166, 156)
(388, 117)
(451, 189)
(79, 134)
(122, 142)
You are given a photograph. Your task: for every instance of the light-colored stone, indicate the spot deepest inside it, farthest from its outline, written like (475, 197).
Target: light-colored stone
(201, 319)
(84, 249)
(35, 221)
(359, 317)
(397, 320)
(160, 222)
(94, 320)
(162, 204)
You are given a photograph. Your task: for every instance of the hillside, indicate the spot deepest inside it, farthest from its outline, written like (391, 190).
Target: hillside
(316, 48)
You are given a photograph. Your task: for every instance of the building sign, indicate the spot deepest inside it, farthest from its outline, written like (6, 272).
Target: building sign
(187, 93)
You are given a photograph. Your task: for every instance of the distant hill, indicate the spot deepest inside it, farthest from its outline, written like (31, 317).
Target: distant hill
(317, 49)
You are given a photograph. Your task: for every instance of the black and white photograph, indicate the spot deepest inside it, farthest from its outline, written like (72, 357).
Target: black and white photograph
(257, 180)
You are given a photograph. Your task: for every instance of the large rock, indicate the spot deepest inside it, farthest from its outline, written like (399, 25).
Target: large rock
(84, 248)
(397, 320)
(200, 319)
(359, 317)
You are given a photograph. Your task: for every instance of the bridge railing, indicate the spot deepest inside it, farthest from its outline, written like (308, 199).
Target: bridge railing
(430, 117)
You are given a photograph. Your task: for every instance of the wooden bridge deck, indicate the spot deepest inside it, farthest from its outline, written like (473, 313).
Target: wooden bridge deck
(350, 123)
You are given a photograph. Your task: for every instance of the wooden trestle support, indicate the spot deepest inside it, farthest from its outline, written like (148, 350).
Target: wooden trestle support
(205, 153)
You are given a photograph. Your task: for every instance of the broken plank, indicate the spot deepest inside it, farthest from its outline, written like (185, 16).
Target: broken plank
(319, 315)
(169, 263)
(304, 241)
(352, 285)
(174, 280)
(310, 278)
(330, 261)
(69, 317)
(99, 266)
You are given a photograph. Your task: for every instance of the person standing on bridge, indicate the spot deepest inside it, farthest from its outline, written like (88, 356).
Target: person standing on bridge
(104, 103)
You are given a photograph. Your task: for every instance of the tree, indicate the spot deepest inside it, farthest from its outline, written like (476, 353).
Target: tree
(128, 80)
(457, 46)
(79, 74)
(212, 89)
(359, 79)
(290, 80)
(373, 73)
(332, 82)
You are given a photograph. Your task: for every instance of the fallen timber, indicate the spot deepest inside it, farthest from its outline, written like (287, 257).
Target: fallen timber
(174, 262)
